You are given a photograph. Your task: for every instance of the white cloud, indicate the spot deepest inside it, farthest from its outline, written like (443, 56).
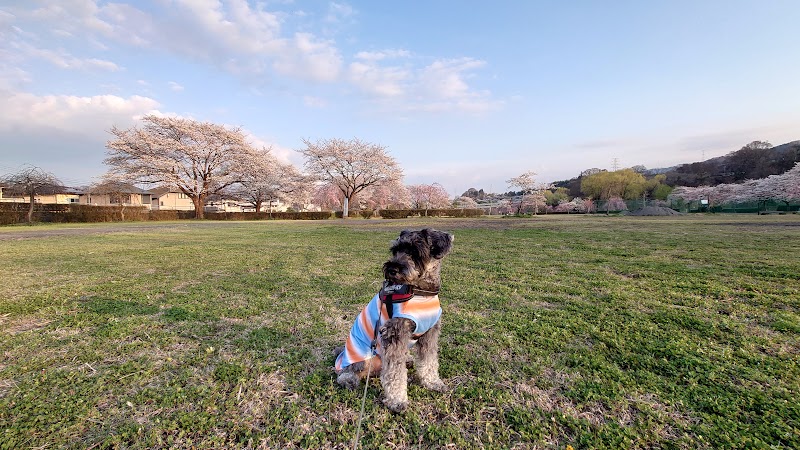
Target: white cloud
(234, 35)
(441, 86)
(383, 54)
(282, 153)
(312, 58)
(63, 133)
(379, 81)
(250, 42)
(175, 86)
(73, 16)
(84, 115)
(339, 12)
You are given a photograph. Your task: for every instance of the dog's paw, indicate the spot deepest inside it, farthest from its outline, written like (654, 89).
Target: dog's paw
(435, 385)
(348, 380)
(396, 406)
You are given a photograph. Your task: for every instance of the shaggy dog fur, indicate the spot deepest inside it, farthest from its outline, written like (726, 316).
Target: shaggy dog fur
(416, 260)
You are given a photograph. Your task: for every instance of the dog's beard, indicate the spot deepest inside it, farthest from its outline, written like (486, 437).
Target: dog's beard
(400, 272)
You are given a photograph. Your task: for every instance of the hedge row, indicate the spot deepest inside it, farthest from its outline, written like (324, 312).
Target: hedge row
(364, 213)
(307, 215)
(13, 213)
(404, 213)
(451, 212)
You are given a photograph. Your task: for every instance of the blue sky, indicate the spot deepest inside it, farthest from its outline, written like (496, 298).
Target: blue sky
(463, 93)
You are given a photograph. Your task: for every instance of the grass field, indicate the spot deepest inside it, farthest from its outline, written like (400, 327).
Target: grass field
(594, 332)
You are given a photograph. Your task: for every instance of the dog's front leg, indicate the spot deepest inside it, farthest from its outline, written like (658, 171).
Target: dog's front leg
(428, 359)
(395, 336)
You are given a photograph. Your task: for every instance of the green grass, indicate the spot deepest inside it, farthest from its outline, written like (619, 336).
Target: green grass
(589, 331)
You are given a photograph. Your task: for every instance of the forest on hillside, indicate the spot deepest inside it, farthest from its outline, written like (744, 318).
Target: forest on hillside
(758, 159)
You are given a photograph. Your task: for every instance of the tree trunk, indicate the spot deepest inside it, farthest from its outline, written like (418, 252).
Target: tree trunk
(30, 210)
(258, 206)
(198, 206)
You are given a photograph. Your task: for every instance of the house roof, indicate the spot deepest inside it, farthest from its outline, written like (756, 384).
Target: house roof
(161, 190)
(115, 187)
(44, 190)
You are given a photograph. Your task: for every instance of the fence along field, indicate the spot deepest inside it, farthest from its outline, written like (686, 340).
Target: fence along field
(589, 331)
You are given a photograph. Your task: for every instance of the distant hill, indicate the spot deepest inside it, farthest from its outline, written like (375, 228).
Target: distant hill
(755, 160)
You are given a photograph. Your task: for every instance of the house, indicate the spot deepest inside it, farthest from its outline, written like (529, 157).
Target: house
(116, 194)
(164, 198)
(230, 205)
(53, 196)
(66, 197)
(7, 197)
(222, 205)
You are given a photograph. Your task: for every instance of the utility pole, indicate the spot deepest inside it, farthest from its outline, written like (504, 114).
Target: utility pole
(615, 164)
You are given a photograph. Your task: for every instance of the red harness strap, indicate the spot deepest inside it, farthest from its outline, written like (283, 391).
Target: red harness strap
(395, 293)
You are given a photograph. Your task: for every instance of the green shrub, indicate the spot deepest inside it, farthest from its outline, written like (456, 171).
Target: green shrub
(163, 214)
(395, 213)
(16, 213)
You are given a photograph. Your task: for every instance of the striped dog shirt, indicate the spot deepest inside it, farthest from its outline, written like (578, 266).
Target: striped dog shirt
(423, 311)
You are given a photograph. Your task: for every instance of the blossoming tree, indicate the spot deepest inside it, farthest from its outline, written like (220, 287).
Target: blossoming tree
(429, 196)
(351, 166)
(532, 189)
(269, 179)
(197, 158)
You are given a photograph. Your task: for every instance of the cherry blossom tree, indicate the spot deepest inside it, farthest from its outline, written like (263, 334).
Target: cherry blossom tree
(576, 205)
(589, 206)
(784, 187)
(428, 196)
(616, 204)
(505, 207)
(327, 196)
(267, 180)
(792, 182)
(351, 166)
(386, 196)
(532, 189)
(197, 158)
(31, 181)
(465, 203)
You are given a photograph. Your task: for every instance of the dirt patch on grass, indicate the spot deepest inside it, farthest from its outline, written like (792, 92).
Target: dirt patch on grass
(548, 393)
(21, 325)
(655, 211)
(46, 231)
(6, 386)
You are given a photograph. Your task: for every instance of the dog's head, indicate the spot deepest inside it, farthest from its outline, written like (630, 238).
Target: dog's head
(416, 257)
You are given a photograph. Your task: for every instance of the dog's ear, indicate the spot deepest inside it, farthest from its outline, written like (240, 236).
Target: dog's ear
(441, 243)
